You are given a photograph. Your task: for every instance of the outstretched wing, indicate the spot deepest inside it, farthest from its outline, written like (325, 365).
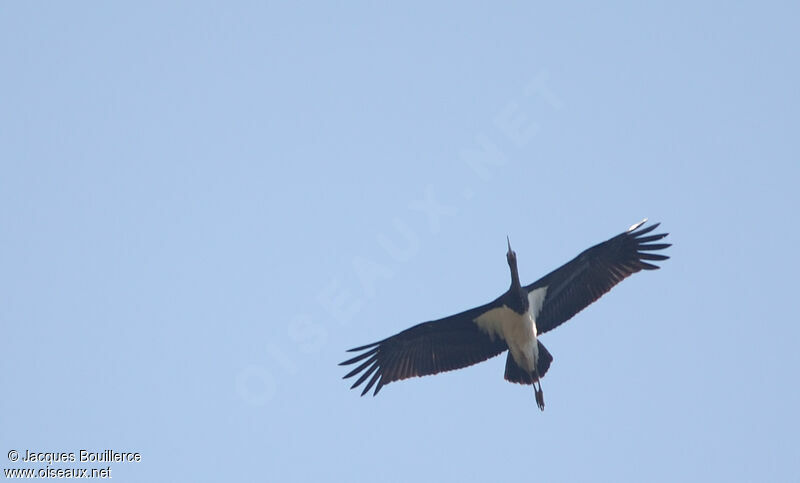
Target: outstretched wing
(428, 348)
(575, 285)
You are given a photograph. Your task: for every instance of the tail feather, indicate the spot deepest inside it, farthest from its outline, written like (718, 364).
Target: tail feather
(516, 374)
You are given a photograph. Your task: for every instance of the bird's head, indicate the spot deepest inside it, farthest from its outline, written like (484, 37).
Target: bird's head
(512, 264)
(511, 256)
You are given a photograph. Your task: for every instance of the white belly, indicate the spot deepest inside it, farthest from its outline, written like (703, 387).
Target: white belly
(518, 331)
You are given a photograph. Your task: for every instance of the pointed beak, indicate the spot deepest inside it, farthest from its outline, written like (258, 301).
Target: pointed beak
(509, 244)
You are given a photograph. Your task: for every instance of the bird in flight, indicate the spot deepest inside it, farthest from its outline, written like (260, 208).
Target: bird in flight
(511, 322)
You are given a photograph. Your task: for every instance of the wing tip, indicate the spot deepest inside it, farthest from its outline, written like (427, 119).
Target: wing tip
(356, 349)
(361, 356)
(637, 232)
(637, 225)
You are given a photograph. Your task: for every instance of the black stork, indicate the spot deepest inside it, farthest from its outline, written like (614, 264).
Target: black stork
(513, 321)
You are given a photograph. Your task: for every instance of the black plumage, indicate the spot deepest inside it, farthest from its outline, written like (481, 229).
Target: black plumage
(463, 339)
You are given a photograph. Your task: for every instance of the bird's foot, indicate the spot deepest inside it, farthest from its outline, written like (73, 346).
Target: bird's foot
(540, 398)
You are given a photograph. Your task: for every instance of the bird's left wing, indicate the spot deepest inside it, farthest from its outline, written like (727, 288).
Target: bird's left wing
(575, 285)
(428, 348)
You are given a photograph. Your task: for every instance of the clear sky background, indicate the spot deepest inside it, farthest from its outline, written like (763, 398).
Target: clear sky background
(203, 206)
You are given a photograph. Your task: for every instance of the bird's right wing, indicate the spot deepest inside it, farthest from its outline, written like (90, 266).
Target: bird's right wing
(428, 348)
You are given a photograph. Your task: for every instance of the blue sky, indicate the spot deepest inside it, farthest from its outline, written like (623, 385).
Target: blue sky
(202, 206)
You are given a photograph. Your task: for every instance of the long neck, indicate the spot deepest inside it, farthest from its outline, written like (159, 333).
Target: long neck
(512, 263)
